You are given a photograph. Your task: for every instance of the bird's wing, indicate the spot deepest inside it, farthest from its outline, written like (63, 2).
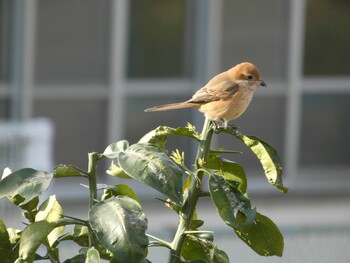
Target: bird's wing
(220, 87)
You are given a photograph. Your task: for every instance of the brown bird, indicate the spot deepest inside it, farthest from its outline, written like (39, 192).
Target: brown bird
(225, 97)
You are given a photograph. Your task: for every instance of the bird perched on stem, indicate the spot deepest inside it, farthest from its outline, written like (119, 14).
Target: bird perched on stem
(225, 97)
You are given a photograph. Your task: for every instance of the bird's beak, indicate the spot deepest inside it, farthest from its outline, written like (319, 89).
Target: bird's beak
(262, 83)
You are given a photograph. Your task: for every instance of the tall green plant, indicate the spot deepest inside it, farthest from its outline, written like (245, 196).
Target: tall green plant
(116, 226)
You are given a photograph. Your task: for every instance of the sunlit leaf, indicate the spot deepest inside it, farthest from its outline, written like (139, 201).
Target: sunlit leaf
(7, 171)
(119, 189)
(197, 248)
(14, 235)
(120, 226)
(150, 165)
(81, 235)
(114, 149)
(116, 171)
(233, 172)
(267, 155)
(25, 184)
(51, 211)
(262, 236)
(63, 170)
(31, 238)
(230, 202)
(92, 256)
(159, 135)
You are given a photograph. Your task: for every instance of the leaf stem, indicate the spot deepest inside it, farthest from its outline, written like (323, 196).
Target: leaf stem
(194, 192)
(160, 242)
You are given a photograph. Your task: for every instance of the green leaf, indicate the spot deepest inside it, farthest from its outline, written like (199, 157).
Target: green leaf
(196, 223)
(196, 248)
(7, 255)
(76, 259)
(31, 238)
(230, 202)
(159, 135)
(26, 183)
(119, 189)
(120, 226)
(268, 157)
(4, 236)
(81, 235)
(233, 172)
(14, 235)
(51, 211)
(116, 171)
(31, 205)
(150, 165)
(114, 149)
(92, 256)
(263, 236)
(63, 170)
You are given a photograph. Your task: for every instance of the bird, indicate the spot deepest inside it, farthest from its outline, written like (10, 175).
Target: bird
(225, 97)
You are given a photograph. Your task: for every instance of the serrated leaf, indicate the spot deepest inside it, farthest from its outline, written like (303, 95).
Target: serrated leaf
(51, 211)
(25, 184)
(150, 165)
(233, 172)
(120, 226)
(159, 135)
(63, 170)
(114, 149)
(31, 238)
(196, 248)
(263, 236)
(230, 202)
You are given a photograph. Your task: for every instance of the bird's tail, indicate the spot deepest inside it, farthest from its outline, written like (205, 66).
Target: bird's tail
(172, 106)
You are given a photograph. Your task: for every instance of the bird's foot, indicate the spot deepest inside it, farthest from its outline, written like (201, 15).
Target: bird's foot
(220, 125)
(216, 127)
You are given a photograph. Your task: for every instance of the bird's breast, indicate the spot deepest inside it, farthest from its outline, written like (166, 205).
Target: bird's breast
(228, 109)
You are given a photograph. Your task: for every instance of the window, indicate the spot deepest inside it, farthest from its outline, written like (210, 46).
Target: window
(159, 41)
(6, 8)
(327, 38)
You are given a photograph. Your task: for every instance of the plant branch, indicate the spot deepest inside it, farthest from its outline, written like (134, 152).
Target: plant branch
(92, 173)
(195, 191)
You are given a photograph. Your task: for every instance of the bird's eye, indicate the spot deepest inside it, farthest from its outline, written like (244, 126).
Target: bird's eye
(250, 77)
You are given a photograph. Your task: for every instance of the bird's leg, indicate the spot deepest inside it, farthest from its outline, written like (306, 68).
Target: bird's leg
(215, 127)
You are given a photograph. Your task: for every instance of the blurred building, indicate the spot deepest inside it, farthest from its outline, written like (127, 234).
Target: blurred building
(92, 67)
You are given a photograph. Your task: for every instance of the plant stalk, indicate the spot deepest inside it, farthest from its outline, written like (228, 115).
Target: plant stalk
(92, 173)
(194, 192)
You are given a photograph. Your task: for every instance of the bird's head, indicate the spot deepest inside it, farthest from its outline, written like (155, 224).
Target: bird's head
(246, 73)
